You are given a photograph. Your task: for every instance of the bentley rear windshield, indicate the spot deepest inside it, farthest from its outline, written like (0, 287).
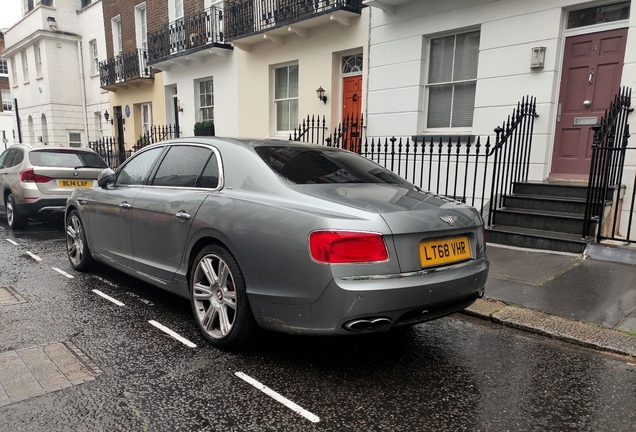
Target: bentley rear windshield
(303, 165)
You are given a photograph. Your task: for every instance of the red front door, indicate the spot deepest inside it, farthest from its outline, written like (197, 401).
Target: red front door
(351, 97)
(351, 112)
(592, 68)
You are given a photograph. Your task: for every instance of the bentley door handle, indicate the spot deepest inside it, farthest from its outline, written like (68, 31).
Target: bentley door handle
(182, 216)
(125, 205)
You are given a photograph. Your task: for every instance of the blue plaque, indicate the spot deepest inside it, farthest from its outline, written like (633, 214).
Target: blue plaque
(127, 111)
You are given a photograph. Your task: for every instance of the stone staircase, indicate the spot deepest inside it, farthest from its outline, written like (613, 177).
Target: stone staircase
(543, 215)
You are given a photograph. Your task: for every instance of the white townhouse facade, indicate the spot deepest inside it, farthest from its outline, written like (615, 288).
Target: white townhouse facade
(53, 54)
(198, 66)
(459, 67)
(298, 59)
(7, 123)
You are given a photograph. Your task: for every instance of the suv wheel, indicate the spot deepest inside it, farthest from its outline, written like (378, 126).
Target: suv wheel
(14, 219)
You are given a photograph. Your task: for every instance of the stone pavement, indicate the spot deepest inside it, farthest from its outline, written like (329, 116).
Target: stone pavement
(33, 371)
(587, 299)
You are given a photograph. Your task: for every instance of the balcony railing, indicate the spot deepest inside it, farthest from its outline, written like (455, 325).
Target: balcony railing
(247, 17)
(187, 34)
(125, 67)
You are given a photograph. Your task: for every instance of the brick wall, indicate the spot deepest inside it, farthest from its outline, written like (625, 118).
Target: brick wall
(156, 16)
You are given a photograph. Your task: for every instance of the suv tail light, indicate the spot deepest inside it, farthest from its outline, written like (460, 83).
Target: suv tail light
(335, 247)
(30, 176)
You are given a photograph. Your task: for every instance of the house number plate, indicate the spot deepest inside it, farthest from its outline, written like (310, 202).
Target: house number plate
(585, 121)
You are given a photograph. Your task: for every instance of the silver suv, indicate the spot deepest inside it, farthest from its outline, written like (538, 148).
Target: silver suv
(35, 181)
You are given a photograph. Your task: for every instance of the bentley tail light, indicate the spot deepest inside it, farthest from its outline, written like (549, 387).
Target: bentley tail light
(336, 247)
(30, 176)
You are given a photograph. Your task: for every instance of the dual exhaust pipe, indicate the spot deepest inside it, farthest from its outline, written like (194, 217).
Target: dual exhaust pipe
(368, 324)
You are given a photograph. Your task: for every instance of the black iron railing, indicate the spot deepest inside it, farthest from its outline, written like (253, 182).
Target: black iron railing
(609, 149)
(115, 153)
(157, 133)
(187, 34)
(110, 150)
(473, 169)
(247, 17)
(125, 67)
(347, 135)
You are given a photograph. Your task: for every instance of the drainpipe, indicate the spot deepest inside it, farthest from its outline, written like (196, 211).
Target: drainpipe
(83, 84)
(17, 119)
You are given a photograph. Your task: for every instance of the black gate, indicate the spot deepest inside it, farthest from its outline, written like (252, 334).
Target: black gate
(607, 169)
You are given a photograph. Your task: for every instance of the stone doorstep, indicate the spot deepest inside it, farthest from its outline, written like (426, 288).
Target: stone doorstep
(577, 332)
(34, 371)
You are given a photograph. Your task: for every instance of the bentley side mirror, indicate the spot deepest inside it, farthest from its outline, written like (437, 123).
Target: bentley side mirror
(105, 178)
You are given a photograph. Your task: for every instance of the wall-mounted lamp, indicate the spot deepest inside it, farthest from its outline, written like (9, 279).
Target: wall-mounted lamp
(321, 94)
(52, 23)
(107, 117)
(537, 60)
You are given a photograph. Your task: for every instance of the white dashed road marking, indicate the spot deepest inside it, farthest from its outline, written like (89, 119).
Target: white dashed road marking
(173, 334)
(12, 242)
(62, 272)
(289, 404)
(34, 256)
(109, 298)
(105, 281)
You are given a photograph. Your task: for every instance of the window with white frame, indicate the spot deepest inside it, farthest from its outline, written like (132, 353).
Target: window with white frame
(4, 68)
(14, 71)
(97, 120)
(286, 97)
(25, 66)
(178, 9)
(29, 5)
(146, 118)
(452, 80)
(38, 60)
(117, 40)
(94, 56)
(7, 102)
(175, 10)
(141, 27)
(206, 100)
(74, 139)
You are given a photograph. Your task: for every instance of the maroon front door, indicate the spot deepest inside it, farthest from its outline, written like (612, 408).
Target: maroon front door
(592, 68)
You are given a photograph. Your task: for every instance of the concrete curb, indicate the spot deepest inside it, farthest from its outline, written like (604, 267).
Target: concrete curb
(576, 332)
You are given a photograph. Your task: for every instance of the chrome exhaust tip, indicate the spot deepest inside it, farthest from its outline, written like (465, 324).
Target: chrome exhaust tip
(368, 324)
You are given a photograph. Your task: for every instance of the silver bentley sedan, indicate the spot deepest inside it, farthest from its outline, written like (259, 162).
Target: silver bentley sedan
(280, 235)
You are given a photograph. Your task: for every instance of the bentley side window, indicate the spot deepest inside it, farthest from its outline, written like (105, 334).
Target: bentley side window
(181, 166)
(138, 168)
(210, 176)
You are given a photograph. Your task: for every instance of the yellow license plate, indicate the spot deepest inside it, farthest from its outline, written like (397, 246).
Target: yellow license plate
(75, 183)
(444, 251)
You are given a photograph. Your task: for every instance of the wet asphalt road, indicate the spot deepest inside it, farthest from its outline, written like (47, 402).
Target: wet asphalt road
(453, 374)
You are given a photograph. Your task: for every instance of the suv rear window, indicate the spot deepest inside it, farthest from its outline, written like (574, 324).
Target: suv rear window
(304, 165)
(65, 158)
